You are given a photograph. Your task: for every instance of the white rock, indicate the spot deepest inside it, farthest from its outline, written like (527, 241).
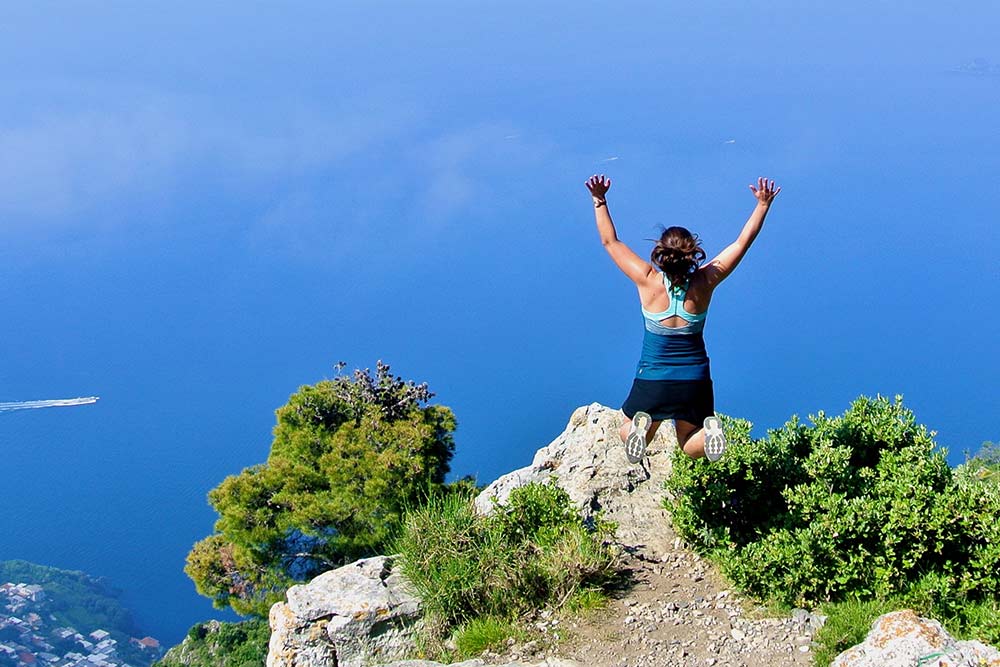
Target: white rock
(356, 615)
(588, 461)
(903, 639)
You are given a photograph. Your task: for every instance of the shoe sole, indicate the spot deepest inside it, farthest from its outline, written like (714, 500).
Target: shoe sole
(635, 443)
(715, 439)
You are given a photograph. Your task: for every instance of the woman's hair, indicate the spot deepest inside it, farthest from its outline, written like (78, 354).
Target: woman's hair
(678, 254)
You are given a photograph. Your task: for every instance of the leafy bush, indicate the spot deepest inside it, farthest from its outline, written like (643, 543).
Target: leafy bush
(533, 552)
(348, 456)
(862, 506)
(215, 644)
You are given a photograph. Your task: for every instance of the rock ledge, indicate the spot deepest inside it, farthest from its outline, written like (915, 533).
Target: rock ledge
(357, 615)
(903, 639)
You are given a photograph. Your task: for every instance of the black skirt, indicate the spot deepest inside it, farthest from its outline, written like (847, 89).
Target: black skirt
(687, 400)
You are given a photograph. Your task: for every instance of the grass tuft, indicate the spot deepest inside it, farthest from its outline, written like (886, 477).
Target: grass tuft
(847, 624)
(587, 600)
(488, 633)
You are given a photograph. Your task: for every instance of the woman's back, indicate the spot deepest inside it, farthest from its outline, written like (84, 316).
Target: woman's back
(655, 297)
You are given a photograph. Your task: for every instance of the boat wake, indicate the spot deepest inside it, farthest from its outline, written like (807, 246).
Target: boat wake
(51, 403)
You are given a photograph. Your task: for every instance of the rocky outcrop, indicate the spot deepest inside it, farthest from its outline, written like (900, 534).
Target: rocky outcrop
(903, 639)
(357, 615)
(588, 461)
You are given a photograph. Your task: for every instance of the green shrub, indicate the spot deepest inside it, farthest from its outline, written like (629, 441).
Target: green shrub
(213, 644)
(862, 506)
(533, 552)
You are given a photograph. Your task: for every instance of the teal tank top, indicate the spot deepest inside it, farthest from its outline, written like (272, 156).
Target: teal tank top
(674, 353)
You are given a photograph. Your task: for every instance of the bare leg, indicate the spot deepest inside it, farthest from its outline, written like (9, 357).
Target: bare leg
(691, 438)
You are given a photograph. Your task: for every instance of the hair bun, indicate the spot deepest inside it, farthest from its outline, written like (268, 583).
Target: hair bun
(677, 254)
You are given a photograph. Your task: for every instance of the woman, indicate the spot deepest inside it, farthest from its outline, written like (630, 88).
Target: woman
(673, 379)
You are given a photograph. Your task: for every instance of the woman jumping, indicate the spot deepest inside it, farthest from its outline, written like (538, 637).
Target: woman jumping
(673, 380)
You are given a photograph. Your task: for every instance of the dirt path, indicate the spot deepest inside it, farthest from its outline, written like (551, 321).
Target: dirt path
(678, 613)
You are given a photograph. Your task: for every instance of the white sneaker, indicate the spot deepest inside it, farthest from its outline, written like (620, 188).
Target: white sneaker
(715, 439)
(635, 443)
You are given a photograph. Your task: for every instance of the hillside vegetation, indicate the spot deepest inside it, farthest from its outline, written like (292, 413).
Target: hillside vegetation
(215, 644)
(77, 600)
(74, 598)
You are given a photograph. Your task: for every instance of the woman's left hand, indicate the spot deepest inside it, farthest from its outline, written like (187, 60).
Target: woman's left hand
(765, 192)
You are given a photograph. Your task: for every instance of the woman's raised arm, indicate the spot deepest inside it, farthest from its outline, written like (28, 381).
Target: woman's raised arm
(633, 266)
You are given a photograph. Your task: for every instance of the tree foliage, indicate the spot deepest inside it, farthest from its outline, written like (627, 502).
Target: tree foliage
(349, 455)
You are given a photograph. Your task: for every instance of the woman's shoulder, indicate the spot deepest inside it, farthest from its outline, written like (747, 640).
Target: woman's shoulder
(700, 284)
(652, 279)
(701, 276)
(654, 273)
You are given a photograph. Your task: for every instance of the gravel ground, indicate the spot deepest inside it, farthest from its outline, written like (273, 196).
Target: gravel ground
(678, 612)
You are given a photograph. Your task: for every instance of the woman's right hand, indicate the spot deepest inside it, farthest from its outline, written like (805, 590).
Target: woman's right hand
(598, 186)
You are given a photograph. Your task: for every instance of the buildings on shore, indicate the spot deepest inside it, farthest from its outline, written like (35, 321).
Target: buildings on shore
(30, 636)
